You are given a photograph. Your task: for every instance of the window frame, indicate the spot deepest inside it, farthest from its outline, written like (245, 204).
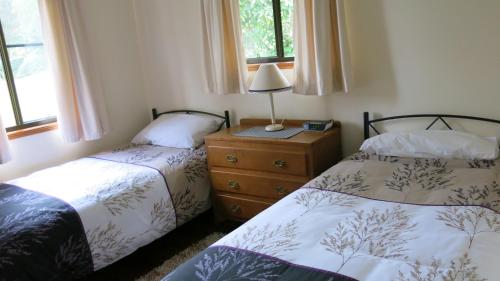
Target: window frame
(21, 125)
(278, 35)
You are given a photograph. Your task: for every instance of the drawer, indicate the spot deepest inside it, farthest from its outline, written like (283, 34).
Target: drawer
(292, 163)
(238, 207)
(256, 184)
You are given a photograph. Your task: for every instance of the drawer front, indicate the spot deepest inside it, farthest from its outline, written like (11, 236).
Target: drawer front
(239, 208)
(292, 163)
(256, 185)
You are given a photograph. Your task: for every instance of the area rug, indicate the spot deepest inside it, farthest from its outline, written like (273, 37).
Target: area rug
(170, 264)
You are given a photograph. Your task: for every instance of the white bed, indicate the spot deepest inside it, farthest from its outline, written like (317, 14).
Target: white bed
(126, 198)
(67, 221)
(374, 217)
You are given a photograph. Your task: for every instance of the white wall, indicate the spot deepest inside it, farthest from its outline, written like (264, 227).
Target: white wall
(408, 57)
(111, 29)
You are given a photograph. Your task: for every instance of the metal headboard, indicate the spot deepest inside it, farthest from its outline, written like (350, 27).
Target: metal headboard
(437, 117)
(227, 122)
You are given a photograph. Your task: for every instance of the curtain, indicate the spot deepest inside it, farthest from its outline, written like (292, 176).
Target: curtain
(82, 114)
(225, 63)
(322, 63)
(4, 145)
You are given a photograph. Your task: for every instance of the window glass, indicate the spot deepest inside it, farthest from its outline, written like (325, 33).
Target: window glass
(20, 21)
(33, 83)
(287, 24)
(257, 25)
(22, 29)
(5, 105)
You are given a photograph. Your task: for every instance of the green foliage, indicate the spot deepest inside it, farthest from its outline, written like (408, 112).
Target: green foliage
(287, 24)
(257, 24)
(21, 25)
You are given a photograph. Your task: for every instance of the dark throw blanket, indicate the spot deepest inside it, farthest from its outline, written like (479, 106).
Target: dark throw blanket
(226, 263)
(41, 238)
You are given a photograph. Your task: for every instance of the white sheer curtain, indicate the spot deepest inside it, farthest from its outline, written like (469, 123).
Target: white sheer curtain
(4, 145)
(225, 63)
(82, 113)
(322, 64)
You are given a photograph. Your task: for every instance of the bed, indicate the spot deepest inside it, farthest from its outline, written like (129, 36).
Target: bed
(65, 222)
(371, 217)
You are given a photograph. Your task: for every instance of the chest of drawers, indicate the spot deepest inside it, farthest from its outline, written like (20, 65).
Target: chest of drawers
(250, 174)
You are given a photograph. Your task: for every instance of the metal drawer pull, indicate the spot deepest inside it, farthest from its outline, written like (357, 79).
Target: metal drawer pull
(231, 158)
(281, 190)
(235, 208)
(280, 163)
(233, 184)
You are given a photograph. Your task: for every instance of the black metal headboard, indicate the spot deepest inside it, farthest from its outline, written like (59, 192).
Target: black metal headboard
(369, 123)
(227, 122)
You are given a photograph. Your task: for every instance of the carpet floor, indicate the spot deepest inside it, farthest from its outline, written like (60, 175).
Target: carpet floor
(170, 264)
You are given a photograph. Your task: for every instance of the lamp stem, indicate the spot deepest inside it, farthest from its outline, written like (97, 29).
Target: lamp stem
(271, 99)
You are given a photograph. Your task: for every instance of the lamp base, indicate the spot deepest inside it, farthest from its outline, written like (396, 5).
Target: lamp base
(274, 127)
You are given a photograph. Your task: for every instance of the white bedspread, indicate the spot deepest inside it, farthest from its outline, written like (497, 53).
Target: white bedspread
(384, 218)
(128, 197)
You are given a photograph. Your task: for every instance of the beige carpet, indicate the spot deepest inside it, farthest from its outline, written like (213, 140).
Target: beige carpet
(170, 264)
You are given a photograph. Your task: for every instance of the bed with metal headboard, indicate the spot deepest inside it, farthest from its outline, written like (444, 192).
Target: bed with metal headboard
(226, 122)
(371, 217)
(368, 124)
(130, 195)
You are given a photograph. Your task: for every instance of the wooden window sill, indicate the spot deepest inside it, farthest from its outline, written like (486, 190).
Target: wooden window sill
(281, 65)
(32, 131)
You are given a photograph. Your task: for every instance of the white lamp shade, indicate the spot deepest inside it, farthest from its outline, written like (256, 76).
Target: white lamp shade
(269, 79)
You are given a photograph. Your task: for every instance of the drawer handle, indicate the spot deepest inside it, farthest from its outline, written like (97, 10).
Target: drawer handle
(280, 163)
(281, 191)
(231, 158)
(233, 184)
(235, 208)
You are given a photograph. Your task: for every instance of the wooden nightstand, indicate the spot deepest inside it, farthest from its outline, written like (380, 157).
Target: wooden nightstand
(250, 174)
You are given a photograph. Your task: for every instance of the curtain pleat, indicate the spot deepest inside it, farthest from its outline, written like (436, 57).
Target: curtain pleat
(225, 63)
(5, 155)
(82, 114)
(322, 64)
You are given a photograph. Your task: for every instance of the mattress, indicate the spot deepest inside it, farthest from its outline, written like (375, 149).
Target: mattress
(370, 218)
(119, 200)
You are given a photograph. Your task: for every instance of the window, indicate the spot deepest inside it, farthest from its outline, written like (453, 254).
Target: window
(26, 91)
(267, 30)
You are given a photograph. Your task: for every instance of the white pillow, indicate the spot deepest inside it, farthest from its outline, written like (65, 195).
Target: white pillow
(432, 144)
(177, 130)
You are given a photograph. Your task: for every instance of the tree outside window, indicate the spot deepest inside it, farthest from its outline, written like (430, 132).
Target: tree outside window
(26, 91)
(267, 27)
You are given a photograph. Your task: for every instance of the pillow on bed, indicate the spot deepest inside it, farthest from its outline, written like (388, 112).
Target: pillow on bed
(432, 144)
(178, 130)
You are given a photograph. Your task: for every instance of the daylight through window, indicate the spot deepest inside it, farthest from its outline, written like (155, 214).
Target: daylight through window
(267, 30)
(26, 90)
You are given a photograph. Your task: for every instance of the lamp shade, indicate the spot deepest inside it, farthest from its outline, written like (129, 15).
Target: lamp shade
(269, 79)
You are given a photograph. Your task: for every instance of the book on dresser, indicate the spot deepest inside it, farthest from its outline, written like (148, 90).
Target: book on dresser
(249, 174)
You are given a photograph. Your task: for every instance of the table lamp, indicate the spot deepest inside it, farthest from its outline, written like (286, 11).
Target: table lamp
(269, 80)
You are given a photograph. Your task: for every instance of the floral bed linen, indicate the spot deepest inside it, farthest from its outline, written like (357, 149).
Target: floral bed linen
(370, 218)
(124, 199)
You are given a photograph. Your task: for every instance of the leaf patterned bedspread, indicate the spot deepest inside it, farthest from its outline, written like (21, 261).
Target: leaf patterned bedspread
(125, 198)
(370, 218)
